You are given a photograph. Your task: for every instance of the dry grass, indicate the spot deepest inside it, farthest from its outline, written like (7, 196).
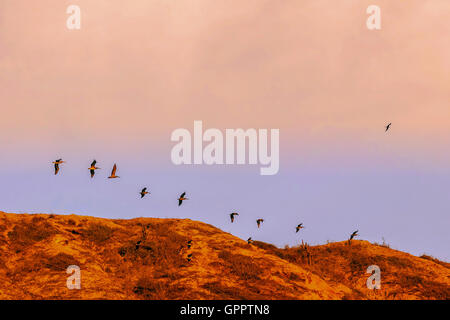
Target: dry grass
(152, 289)
(97, 233)
(60, 262)
(147, 259)
(241, 266)
(28, 234)
(442, 263)
(348, 264)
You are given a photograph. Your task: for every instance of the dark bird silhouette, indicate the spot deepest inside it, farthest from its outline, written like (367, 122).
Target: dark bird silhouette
(143, 192)
(57, 163)
(259, 221)
(189, 257)
(232, 216)
(354, 234)
(249, 240)
(189, 244)
(113, 172)
(388, 127)
(300, 226)
(181, 198)
(92, 168)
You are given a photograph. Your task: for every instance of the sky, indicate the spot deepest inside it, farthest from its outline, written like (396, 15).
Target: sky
(117, 88)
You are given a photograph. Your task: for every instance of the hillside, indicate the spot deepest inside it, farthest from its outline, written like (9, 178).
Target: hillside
(147, 258)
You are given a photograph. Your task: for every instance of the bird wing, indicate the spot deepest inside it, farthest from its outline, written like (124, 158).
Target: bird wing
(56, 168)
(93, 163)
(179, 202)
(183, 194)
(92, 173)
(143, 190)
(113, 172)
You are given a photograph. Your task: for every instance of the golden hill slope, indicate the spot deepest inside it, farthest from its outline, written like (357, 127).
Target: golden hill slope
(147, 258)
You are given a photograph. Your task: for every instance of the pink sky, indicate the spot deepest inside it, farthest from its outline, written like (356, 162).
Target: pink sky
(146, 68)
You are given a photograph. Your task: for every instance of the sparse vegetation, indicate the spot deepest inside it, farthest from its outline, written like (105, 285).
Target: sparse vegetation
(28, 234)
(149, 288)
(147, 259)
(60, 262)
(241, 266)
(97, 233)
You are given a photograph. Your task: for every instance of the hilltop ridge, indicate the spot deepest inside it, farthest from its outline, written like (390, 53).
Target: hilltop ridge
(149, 258)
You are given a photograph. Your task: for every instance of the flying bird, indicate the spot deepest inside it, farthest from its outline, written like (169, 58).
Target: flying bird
(354, 234)
(189, 257)
(232, 216)
(113, 172)
(57, 163)
(388, 127)
(300, 226)
(249, 240)
(189, 244)
(181, 198)
(143, 192)
(258, 222)
(93, 168)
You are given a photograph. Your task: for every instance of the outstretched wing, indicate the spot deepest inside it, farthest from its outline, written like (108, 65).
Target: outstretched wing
(113, 172)
(145, 189)
(92, 173)
(93, 163)
(180, 202)
(56, 168)
(183, 194)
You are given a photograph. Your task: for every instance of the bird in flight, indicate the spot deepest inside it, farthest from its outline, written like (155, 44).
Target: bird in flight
(249, 240)
(259, 221)
(232, 216)
(181, 198)
(300, 226)
(354, 234)
(57, 163)
(143, 192)
(189, 244)
(113, 172)
(189, 257)
(93, 168)
(388, 127)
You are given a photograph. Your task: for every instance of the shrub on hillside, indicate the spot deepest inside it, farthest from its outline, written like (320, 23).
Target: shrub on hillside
(241, 266)
(98, 233)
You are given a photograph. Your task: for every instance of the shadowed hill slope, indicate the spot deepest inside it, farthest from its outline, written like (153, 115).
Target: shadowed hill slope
(149, 258)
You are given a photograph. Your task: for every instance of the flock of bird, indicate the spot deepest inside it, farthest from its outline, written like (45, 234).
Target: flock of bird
(182, 197)
(113, 175)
